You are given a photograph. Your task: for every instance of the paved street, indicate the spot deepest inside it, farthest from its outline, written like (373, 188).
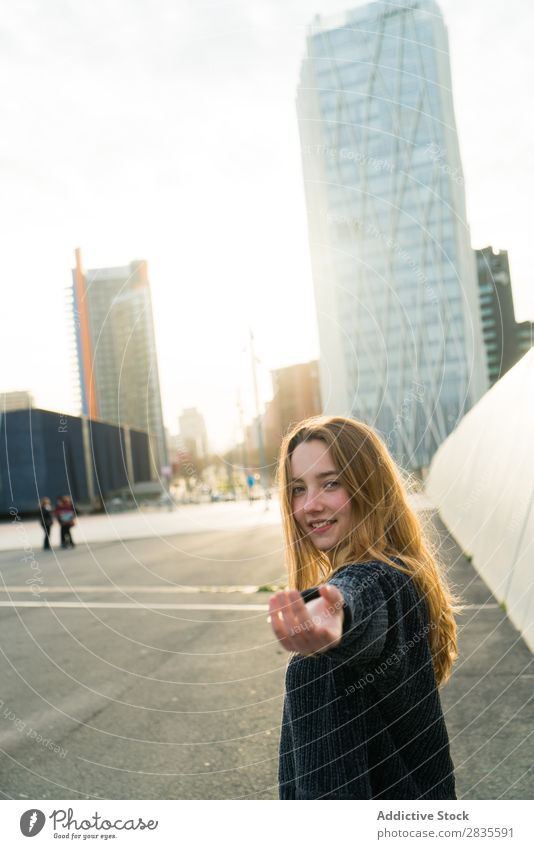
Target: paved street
(146, 669)
(143, 523)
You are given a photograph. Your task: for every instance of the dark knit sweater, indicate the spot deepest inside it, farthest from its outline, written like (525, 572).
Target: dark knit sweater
(364, 719)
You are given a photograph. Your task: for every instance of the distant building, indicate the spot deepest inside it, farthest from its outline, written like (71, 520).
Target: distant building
(116, 349)
(506, 340)
(172, 441)
(296, 396)
(297, 393)
(193, 433)
(251, 435)
(49, 453)
(22, 400)
(393, 269)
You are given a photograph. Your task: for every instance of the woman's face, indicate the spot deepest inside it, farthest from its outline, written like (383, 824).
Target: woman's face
(321, 505)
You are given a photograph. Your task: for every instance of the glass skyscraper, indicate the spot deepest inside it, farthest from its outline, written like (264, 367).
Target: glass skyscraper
(394, 272)
(116, 349)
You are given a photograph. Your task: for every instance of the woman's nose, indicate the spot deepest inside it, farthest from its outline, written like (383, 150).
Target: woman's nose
(313, 502)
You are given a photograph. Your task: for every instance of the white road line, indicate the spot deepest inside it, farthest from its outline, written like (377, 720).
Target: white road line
(159, 606)
(249, 589)
(131, 606)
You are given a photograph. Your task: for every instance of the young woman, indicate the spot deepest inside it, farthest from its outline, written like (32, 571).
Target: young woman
(369, 619)
(46, 519)
(66, 517)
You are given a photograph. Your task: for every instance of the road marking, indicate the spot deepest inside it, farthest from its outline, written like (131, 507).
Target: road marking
(159, 606)
(247, 589)
(131, 605)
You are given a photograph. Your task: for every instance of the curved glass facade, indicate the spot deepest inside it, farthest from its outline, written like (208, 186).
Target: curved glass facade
(394, 273)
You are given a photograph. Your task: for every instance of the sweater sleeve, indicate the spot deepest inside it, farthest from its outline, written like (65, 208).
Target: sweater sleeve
(365, 621)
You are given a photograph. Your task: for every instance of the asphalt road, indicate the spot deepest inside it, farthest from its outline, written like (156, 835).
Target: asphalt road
(143, 696)
(161, 703)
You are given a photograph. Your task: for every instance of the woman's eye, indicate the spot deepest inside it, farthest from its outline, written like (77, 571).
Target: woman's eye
(297, 490)
(331, 484)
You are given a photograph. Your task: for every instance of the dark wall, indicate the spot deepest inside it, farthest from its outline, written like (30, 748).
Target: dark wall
(62, 441)
(106, 444)
(140, 446)
(41, 453)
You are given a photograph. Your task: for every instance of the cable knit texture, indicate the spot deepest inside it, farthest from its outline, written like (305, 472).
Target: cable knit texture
(364, 719)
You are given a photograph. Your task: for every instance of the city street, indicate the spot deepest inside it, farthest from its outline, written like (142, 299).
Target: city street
(147, 669)
(168, 702)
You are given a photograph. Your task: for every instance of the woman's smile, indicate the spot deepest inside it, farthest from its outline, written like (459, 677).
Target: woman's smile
(321, 527)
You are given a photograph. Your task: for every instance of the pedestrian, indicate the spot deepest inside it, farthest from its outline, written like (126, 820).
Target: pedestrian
(66, 517)
(251, 480)
(369, 619)
(47, 520)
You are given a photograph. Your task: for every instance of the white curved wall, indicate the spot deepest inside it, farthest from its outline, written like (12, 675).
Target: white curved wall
(482, 482)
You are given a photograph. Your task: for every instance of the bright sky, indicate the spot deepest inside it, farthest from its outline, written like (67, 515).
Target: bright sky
(166, 130)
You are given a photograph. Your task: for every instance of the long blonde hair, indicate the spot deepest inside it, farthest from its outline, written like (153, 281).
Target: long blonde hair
(385, 525)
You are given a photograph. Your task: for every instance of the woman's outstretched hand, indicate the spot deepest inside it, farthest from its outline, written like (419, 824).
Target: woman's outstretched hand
(307, 628)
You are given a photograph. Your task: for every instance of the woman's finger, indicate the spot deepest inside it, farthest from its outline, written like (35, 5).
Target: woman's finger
(302, 623)
(292, 622)
(275, 608)
(303, 618)
(278, 623)
(297, 626)
(313, 637)
(288, 612)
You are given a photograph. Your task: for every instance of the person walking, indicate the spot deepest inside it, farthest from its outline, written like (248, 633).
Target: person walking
(66, 517)
(46, 519)
(369, 620)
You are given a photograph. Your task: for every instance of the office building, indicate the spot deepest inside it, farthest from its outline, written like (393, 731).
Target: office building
(296, 396)
(394, 273)
(116, 349)
(506, 340)
(193, 433)
(297, 393)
